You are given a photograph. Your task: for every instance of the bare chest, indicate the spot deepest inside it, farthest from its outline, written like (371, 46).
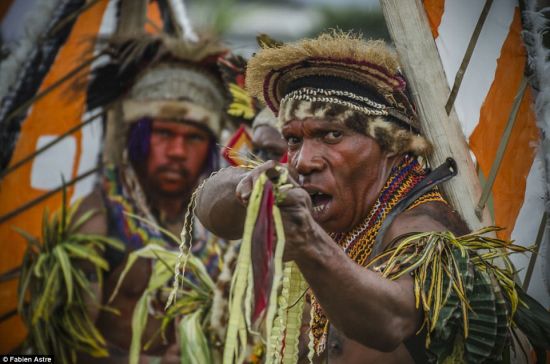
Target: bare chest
(341, 350)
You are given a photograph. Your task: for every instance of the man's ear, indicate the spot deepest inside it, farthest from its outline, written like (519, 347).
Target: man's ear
(390, 154)
(391, 158)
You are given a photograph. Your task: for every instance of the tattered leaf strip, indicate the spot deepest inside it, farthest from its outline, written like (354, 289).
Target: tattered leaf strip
(139, 322)
(146, 252)
(272, 334)
(432, 258)
(294, 319)
(234, 344)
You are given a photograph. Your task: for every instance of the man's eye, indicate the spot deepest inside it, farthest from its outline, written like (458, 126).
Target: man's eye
(292, 141)
(196, 138)
(333, 136)
(162, 133)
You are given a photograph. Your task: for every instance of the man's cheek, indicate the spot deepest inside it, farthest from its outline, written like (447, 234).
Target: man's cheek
(292, 168)
(291, 159)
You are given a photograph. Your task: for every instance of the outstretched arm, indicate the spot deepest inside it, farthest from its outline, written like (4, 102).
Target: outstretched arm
(364, 306)
(221, 204)
(218, 208)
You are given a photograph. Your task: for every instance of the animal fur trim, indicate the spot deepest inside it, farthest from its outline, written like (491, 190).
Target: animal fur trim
(274, 72)
(388, 134)
(171, 81)
(174, 110)
(334, 46)
(220, 306)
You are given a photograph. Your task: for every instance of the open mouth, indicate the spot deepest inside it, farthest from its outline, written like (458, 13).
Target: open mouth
(320, 202)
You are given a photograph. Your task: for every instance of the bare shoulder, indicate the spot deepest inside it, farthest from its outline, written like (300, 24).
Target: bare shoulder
(97, 223)
(431, 216)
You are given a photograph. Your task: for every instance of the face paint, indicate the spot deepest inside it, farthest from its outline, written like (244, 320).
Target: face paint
(342, 170)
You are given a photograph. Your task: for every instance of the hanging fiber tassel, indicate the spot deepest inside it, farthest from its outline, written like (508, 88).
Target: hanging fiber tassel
(249, 300)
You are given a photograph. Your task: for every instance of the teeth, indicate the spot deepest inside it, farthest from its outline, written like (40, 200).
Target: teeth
(318, 208)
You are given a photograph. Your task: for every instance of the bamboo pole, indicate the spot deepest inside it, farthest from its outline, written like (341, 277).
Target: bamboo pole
(408, 26)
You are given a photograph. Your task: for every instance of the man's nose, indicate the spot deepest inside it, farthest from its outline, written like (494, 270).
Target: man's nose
(308, 159)
(177, 148)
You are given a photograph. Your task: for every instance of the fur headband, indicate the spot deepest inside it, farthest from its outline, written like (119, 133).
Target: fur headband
(177, 92)
(334, 77)
(389, 135)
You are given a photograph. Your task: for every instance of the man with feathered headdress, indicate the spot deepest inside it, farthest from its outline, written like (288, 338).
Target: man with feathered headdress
(165, 101)
(380, 291)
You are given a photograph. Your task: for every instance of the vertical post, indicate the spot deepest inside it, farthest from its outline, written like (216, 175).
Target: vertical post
(408, 26)
(133, 14)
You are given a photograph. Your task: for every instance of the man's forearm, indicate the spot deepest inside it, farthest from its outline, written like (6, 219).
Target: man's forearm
(218, 208)
(376, 312)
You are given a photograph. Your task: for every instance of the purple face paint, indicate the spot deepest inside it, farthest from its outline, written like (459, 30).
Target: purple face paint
(139, 140)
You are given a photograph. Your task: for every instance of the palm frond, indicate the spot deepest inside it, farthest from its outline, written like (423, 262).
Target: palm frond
(461, 290)
(53, 286)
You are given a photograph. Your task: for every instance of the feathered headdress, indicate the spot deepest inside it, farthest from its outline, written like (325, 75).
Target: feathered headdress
(339, 76)
(158, 77)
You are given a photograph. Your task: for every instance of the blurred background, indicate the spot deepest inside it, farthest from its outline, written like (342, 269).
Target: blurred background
(239, 21)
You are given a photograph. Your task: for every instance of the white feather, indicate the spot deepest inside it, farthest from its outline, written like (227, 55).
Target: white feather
(182, 20)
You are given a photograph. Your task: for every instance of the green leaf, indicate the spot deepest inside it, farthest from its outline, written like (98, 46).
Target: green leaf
(38, 265)
(45, 227)
(24, 280)
(48, 295)
(32, 240)
(65, 265)
(139, 322)
(160, 276)
(145, 252)
(82, 220)
(95, 238)
(194, 346)
(153, 224)
(82, 282)
(87, 253)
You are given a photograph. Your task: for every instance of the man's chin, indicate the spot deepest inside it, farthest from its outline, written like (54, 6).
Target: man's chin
(173, 191)
(332, 224)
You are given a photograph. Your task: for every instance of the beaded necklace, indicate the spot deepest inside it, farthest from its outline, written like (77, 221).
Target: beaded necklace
(358, 243)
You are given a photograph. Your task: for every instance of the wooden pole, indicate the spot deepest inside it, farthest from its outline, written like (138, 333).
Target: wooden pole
(408, 26)
(133, 14)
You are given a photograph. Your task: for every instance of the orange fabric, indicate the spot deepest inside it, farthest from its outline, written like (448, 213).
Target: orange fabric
(154, 19)
(51, 115)
(434, 11)
(509, 188)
